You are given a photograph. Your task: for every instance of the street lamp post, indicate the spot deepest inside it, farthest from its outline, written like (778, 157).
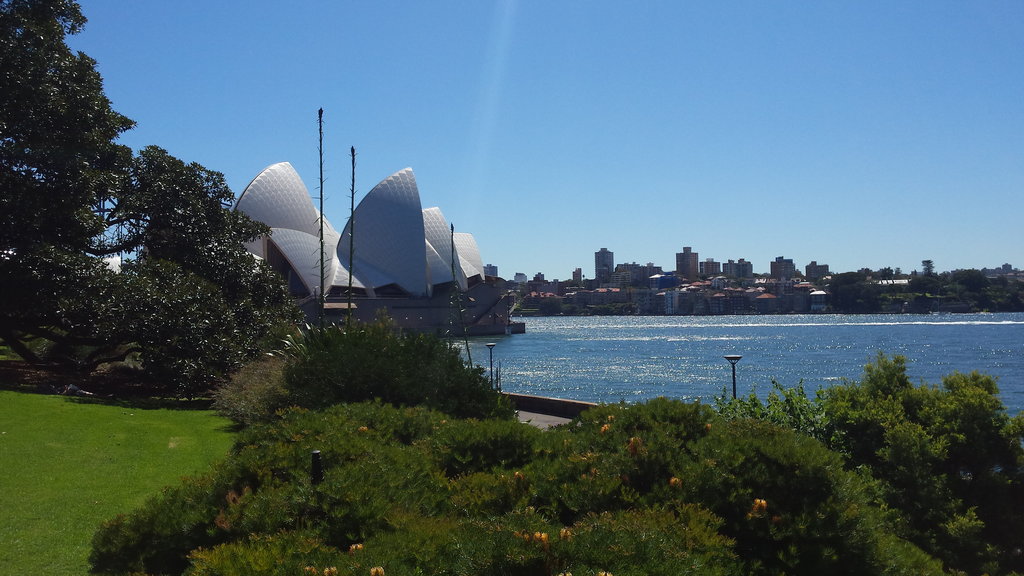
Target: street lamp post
(733, 359)
(490, 353)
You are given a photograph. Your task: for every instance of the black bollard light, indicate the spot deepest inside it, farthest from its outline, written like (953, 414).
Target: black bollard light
(733, 359)
(490, 352)
(316, 468)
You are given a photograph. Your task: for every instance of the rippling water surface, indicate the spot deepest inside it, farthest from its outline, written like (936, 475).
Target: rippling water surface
(608, 359)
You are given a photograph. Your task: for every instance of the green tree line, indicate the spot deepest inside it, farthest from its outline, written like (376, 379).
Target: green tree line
(105, 254)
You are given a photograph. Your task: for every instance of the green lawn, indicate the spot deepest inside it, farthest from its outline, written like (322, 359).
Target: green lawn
(66, 466)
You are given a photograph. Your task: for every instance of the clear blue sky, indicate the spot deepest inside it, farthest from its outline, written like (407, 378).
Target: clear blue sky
(857, 134)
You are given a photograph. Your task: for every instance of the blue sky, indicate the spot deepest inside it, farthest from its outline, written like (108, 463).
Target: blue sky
(857, 134)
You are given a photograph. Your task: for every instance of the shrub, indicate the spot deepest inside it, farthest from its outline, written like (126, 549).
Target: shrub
(466, 446)
(254, 393)
(948, 458)
(659, 488)
(365, 361)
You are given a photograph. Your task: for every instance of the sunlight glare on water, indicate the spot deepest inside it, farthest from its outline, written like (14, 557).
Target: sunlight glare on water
(634, 358)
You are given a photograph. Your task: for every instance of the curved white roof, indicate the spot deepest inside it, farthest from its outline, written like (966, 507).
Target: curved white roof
(389, 236)
(302, 252)
(469, 253)
(396, 241)
(439, 249)
(278, 198)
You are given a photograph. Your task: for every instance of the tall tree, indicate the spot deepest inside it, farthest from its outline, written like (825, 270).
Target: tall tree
(188, 298)
(57, 158)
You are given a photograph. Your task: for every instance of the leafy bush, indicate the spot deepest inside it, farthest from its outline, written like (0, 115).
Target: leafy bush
(466, 446)
(254, 393)
(949, 458)
(946, 460)
(365, 361)
(659, 488)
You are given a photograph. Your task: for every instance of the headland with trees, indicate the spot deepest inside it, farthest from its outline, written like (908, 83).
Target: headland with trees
(360, 449)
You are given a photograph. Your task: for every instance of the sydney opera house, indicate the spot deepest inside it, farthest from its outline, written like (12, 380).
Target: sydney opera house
(395, 256)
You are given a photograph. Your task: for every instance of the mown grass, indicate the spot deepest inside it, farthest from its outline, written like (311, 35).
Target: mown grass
(66, 465)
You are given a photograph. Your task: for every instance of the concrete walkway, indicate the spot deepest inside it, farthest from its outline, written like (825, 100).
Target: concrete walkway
(544, 412)
(542, 421)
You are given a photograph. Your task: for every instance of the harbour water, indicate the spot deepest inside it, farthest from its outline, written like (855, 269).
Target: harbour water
(634, 358)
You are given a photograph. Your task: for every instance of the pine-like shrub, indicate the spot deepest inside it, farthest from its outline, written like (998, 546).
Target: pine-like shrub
(376, 361)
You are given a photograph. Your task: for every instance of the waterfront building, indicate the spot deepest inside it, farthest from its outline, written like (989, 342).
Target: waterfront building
(815, 271)
(686, 264)
(710, 268)
(783, 268)
(407, 261)
(663, 281)
(604, 265)
(741, 269)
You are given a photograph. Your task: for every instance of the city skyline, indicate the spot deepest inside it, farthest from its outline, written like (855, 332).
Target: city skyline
(611, 263)
(862, 135)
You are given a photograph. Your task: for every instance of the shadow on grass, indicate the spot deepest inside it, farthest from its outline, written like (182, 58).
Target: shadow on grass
(123, 388)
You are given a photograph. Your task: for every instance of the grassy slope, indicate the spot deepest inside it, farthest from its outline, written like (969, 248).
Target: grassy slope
(66, 466)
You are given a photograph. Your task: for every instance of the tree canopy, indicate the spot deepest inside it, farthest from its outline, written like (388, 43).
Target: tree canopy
(105, 253)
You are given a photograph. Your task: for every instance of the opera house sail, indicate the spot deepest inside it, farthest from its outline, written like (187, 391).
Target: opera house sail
(406, 261)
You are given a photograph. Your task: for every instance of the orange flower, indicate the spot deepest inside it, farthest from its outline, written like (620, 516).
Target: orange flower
(605, 428)
(759, 508)
(377, 571)
(675, 482)
(636, 444)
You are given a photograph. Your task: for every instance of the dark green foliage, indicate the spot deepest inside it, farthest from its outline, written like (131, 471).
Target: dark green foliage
(57, 131)
(465, 446)
(949, 458)
(660, 488)
(947, 461)
(786, 407)
(850, 293)
(364, 361)
(189, 301)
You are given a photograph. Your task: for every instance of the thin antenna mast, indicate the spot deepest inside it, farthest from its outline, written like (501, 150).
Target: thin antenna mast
(457, 300)
(320, 149)
(351, 236)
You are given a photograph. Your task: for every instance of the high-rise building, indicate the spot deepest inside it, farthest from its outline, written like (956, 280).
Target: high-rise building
(577, 276)
(783, 268)
(741, 269)
(604, 265)
(490, 270)
(686, 264)
(815, 271)
(710, 268)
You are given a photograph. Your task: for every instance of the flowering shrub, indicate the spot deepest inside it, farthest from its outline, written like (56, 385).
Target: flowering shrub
(624, 489)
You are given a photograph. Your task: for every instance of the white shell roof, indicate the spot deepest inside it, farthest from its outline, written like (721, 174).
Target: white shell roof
(302, 252)
(469, 253)
(439, 248)
(389, 236)
(278, 198)
(397, 242)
